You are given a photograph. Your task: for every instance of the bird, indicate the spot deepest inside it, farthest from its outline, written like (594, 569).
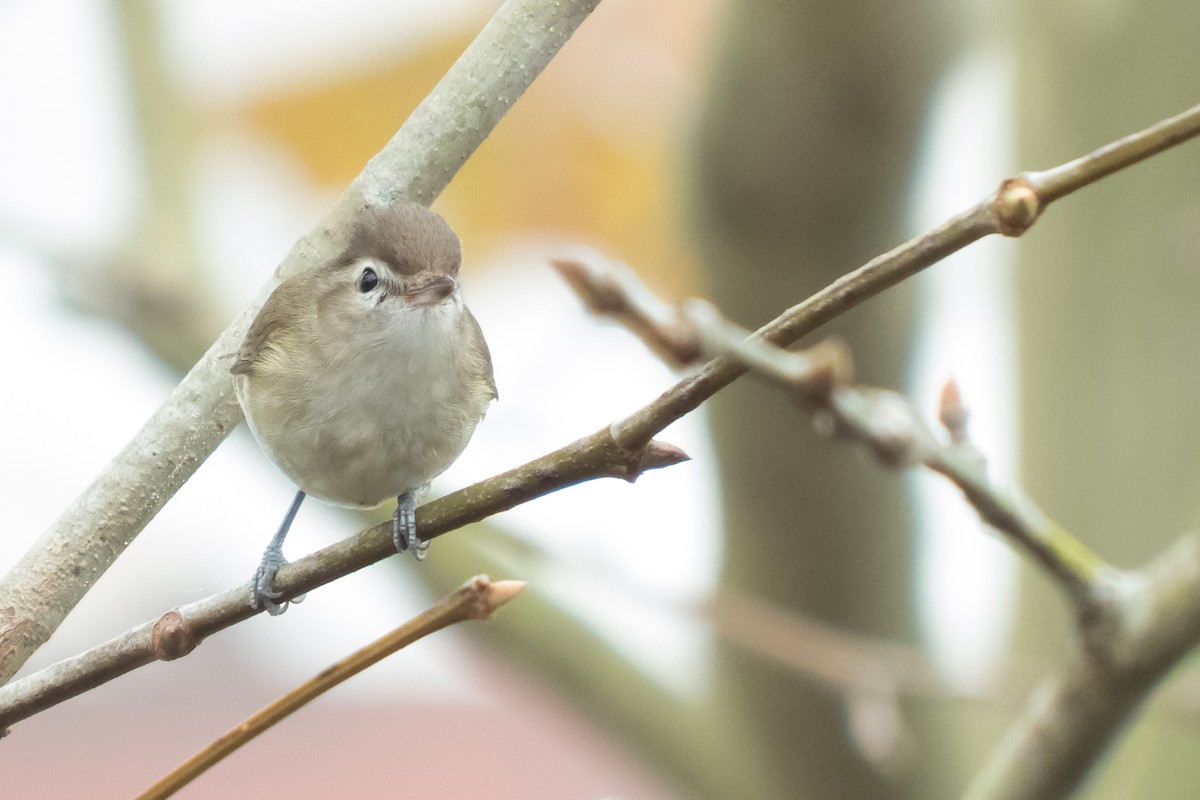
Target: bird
(364, 377)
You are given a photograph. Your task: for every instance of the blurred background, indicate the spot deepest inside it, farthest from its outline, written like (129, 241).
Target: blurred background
(777, 618)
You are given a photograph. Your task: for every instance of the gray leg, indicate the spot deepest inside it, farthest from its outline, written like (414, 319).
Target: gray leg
(261, 593)
(404, 527)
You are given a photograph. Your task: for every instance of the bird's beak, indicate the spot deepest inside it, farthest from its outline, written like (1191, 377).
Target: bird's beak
(431, 291)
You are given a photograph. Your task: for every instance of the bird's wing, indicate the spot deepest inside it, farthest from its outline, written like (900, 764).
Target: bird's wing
(475, 331)
(265, 328)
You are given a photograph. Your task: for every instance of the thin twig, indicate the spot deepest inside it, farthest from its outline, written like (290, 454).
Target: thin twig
(1010, 210)
(821, 378)
(178, 632)
(1060, 181)
(478, 598)
(1132, 627)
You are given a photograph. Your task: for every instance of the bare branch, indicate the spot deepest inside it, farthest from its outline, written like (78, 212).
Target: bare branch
(820, 379)
(612, 290)
(1051, 184)
(478, 598)
(1009, 211)
(36, 595)
(1133, 627)
(178, 632)
(1149, 623)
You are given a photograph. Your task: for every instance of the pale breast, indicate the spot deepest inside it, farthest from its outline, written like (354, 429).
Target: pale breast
(373, 421)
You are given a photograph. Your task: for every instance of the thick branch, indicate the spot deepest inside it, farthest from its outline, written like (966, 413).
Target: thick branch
(417, 163)
(1151, 621)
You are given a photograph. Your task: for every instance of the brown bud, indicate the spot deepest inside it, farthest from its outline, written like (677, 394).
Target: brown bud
(1016, 206)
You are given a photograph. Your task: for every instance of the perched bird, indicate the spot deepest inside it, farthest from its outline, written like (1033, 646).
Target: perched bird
(363, 378)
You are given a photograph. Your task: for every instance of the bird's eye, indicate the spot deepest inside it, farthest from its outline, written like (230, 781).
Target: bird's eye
(368, 281)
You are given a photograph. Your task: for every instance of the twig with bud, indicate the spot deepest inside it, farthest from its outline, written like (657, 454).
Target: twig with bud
(179, 631)
(1132, 626)
(821, 379)
(478, 599)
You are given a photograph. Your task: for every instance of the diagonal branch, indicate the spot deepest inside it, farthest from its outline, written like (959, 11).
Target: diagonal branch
(178, 632)
(438, 137)
(821, 379)
(1010, 211)
(1146, 626)
(478, 599)
(1132, 627)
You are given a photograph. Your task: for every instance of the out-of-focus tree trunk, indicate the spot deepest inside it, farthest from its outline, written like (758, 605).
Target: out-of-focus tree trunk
(1109, 286)
(801, 173)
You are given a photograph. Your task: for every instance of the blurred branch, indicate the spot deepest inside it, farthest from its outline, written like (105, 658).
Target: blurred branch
(669, 724)
(436, 139)
(1143, 629)
(1010, 211)
(1132, 627)
(843, 661)
(478, 598)
(821, 380)
(153, 284)
(178, 632)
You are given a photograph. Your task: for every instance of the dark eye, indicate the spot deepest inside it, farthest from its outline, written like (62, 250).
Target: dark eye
(368, 281)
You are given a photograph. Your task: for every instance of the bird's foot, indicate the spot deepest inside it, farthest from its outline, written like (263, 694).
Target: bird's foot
(262, 595)
(404, 527)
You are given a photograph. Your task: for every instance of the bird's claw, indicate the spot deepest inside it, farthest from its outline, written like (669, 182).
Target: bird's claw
(262, 595)
(404, 527)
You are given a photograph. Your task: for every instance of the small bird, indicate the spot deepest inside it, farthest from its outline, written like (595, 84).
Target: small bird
(363, 378)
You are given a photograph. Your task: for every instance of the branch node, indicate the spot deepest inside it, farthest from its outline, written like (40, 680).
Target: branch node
(171, 637)
(830, 367)
(1016, 206)
(885, 421)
